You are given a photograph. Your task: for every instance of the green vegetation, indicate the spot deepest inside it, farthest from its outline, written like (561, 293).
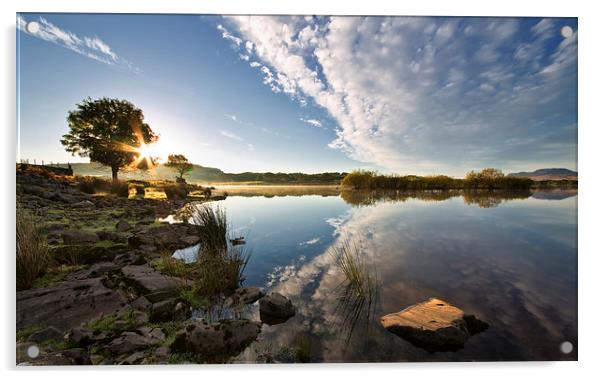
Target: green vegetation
(114, 323)
(33, 255)
(358, 293)
(486, 179)
(219, 267)
(23, 334)
(168, 265)
(108, 131)
(175, 191)
(56, 275)
(180, 164)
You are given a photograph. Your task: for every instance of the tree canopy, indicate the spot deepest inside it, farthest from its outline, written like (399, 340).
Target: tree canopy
(179, 163)
(108, 131)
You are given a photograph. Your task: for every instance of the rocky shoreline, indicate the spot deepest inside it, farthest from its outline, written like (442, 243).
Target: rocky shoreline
(107, 303)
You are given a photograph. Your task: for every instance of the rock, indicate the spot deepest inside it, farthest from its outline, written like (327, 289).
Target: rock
(134, 358)
(434, 325)
(97, 270)
(190, 240)
(111, 236)
(247, 295)
(147, 280)
(67, 304)
(83, 204)
(162, 352)
(81, 336)
(224, 338)
(78, 356)
(77, 237)
(168, 310)
(275, 309)
(128, 342)
(46, 334)
(123, 226)
(142, 304)
(129, 258)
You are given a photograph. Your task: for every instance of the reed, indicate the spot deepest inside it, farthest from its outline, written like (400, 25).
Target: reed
(33, 256)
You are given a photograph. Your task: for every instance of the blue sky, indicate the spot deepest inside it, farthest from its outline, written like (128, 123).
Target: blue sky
(403, 94)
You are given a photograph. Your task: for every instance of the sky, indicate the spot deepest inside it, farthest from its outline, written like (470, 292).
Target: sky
(407, 95)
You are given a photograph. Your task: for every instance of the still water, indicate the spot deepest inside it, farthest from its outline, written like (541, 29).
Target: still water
(510, 260)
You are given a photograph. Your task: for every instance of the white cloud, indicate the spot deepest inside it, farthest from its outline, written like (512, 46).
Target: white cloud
(231, 135)
(250, 147)
(231, 117)
(422, 94)
(312, 121)
(91, 47)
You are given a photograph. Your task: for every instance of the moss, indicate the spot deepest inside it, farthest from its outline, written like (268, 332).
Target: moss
(23, 334)
(56, 275)
(114, 323)
(170, 266)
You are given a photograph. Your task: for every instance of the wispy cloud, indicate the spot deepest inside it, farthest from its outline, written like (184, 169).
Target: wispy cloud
(312, 121)
(421, 94)
(231, 135)
(312, 241)
(90, 47)
(250, 147)
(232, 117)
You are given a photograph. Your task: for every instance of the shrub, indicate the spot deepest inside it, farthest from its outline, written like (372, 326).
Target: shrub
(92, 184)
(175, 191)
(120, 188)
(33, 255)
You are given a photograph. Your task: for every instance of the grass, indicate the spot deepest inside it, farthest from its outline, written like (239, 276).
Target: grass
(219, 267)
(33, 256)
(56, 275)
(357, 295)
(114, 323)
(168, 265)
(23, 334)
(175, 191)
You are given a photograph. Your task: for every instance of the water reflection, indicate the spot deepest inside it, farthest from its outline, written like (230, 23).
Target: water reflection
(510, 259)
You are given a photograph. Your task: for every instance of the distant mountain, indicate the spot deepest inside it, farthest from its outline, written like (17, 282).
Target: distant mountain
(548, 174)
(201, 174)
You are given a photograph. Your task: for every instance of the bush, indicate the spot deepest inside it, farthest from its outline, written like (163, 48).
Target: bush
(33, 255)
(120, 188)
(92, 184)
(175, 191)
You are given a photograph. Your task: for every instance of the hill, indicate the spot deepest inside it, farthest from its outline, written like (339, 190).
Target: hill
(201, 174)
(548, 174)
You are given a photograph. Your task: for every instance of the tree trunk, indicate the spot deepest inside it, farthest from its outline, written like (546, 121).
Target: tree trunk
(114, 171)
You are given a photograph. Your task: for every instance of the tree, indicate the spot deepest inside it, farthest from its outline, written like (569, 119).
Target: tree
(108, 131)
(180, 164)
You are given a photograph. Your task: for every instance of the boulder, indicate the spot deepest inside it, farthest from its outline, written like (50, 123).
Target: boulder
(434, 325)
(46, 334)
(129, 258)
(224, 338)
(169, 310)
(77, 237)
(128, 342)
(67, 304)
(123, 226)
(275, 309)
(247, 295)
(146, 280)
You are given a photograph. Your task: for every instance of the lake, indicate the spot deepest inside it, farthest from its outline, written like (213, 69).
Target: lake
(510, 259)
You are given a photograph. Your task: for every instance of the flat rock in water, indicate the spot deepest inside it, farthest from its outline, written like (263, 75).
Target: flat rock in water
(67, 304)
(434, 325)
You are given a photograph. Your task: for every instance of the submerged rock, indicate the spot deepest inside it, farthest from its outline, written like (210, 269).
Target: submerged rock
(224, 338)
(434, 325)
(275, 309)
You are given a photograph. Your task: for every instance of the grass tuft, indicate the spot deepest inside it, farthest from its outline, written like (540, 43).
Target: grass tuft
(33, 256)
